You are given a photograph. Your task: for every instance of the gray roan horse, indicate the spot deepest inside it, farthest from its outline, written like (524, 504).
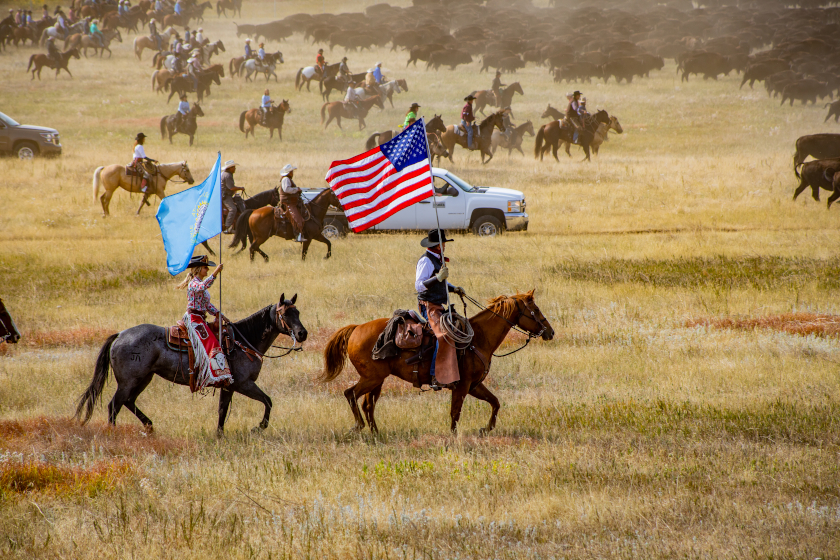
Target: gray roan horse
(138, 353)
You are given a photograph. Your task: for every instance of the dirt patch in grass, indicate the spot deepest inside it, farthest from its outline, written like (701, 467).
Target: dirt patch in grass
(66, 437)
(793, 323)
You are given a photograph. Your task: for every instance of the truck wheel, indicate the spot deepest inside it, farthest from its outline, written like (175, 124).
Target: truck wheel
(26, 150)
(334, 228)
(487, 226)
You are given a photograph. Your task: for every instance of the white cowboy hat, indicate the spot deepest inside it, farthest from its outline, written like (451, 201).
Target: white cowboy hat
(379, 64)
(288, 168)
(228, 164)
(247, 40)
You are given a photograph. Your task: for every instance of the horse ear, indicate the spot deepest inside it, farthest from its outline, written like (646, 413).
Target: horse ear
(294, 299)
(282, 298)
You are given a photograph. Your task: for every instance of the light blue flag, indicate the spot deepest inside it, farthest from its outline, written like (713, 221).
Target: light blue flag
(189, 218)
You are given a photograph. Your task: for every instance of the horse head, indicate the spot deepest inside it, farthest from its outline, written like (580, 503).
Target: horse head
(548, 112)
(495, 119)
(275, 196)
(516, 88)
(278, 57)
(436, 125)
(285, 106)
(220, 45)
(184, 173)
(287, 318)
(403, 84)
(529, 127)
(602, 116)
(117, 35)
(74, 52)
(615, 125)
(196, 110)
(377, 100)
(521, 310)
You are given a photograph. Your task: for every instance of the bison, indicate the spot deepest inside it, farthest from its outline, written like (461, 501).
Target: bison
(834, 109)
(818, 146)
(762, 70)
(448, 57)
(821, 173)
(805, 91)
(710, 64)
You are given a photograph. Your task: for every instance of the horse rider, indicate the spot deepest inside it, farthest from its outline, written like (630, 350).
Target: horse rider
(211, 365)
(290, 201)
(378, 78)
(351, 101)
(573, 114)
(188, 37)
(249, 52)
(179, 8)
(509, 126)
(52, 51)
(178, 49)
(199, 36)
(265, 106)
(139, 159)
(45, 13)
(411, 115)
(467, 119)
(320, 62)
(61, 24)
(497, 87)
(153, 33)
(96, 33)
(432, 287)
(584, 112)
(183, 111)
(194, 69)
(29, 18)
(122, 9)
(261, 56)
(229, 189)
(158, 6)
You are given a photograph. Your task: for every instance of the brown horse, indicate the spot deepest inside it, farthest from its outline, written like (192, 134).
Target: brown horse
(113, 176)
(274, 119)
(554, 133)
(435, 124)
(481, 141)
(490, 326)
(338, 109)
(161, 79)
(486, 97)
(259, 225)
(38, 61)
(142, 42)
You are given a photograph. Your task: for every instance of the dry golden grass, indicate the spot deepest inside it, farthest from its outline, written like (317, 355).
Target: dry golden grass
(636, 433)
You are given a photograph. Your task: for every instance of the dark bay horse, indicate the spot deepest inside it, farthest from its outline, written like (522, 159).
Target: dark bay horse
(481, 141)
(139, 353)
(435, 124)
(258, 225)
(184, 84)
(273, 120)
(38, 61)
(486, 97)
(338, 109)
(271, 197)
(189, 126)
(552, 134)
(491, 326)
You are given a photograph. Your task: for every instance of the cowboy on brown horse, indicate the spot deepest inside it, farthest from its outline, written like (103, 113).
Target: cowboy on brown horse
(290, 201)
(432, 287)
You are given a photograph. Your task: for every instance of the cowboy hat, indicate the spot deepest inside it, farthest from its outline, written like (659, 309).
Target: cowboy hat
(288, 168)
(433, 239)
(470, 97)
(576, 93)
(379, 64)
(183, 96)
(139, 136)
(247, 40)
(414, 105)
(344, 59)
(228, 164)
(200, 260)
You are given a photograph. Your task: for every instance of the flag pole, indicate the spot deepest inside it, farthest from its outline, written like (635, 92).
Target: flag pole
(221, 216)
(434, 205)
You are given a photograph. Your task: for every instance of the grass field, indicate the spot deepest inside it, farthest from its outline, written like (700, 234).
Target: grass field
(645, 429)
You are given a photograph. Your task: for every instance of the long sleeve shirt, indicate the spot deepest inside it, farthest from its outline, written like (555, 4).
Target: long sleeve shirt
(467, 113)
(377, 74)
(351, 95)
(228, 185)
(249, 52)
(266, 102)
(184, 107)
(425, 269)
(139, 152)
(178, 8)
(288, 186)
(198, 299)
(261, 53)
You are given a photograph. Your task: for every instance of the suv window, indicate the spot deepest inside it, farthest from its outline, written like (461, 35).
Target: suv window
(8, 121)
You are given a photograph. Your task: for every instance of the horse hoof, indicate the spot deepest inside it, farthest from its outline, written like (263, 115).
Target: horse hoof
(220, 433)
(257, 430)
(148, 429)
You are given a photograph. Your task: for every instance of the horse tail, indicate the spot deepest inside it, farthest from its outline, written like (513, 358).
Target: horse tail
(242, 121)
(96, 179)
(31, 61)
(297, 78)
(371, 142)
(323, 112)
(154, 79)
(335, 354)
(162, 128)
(100, 375)
(167, 83)
(241, 230)
(539, 142)
(230, 68)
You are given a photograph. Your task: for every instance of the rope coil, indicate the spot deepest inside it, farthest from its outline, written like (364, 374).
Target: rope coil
(459, 333)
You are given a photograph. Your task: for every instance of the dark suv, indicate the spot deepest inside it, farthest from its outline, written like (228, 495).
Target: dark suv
(26, 141)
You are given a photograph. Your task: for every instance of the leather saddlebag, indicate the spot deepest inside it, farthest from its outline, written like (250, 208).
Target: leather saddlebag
(409, 334)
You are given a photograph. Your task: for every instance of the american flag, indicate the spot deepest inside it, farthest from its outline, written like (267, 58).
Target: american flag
(379, 183)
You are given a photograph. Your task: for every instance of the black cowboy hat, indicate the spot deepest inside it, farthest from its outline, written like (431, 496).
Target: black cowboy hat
(576, 93)
(199, 261)
(139, 136)
(413, 105)
(183, 96)
(470, 97)
(433, 240)
(344, 59)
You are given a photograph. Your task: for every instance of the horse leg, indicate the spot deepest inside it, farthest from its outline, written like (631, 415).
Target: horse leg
(144, 201)
(305, 249)
(369, 405)
(482, 393)
(120, 397)
(105, 199)
(360, 389)
(130, 403)
(832, 198)
(458, 395)
(250, 390)
(224, 404)
(320, 237)
(554, 148)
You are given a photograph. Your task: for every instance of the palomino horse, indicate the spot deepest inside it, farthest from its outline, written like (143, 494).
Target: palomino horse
(259, 225)
(338, 109)
(600, 136)
(516, 135)
(490, 326)
(273, 120)
(268, 68)
(553, 133)
(486, 97)
(161, 79)
(435, 124)
(86, 42)
(188, 126)
(142, 42)
(307, 74)
(38, 61)
(113, 176)
(481, 141)
(139, 353)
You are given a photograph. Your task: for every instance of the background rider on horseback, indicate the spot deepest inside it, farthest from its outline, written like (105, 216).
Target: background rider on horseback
(497, 87)
(265, 107)
(574, 115)
(320, 62)
(249, 52)
(290, 201)
(52, 51)
(229, 196)
(183, 111)
(467, 118)
(141, 162)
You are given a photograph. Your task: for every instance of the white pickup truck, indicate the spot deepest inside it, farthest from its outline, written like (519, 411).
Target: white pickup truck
(487, 211)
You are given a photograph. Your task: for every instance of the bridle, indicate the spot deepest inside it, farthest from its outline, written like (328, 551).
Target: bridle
(281, 325)
(512, 324)
(178, 173)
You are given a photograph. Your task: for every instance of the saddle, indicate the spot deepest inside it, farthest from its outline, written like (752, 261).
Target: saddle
(283, 222)
(462, 131)
(178, 339)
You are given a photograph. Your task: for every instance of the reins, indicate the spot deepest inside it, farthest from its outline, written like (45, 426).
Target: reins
(513, 326)
(289, 349)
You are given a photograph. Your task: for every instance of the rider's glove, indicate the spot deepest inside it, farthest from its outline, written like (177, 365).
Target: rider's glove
(442, 274)
(458, 291)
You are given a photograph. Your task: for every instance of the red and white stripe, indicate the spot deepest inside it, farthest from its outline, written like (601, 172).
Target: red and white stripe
(371, 189)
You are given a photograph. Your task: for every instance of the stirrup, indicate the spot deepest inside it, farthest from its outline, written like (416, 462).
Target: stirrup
(300, 238)
(434, 385)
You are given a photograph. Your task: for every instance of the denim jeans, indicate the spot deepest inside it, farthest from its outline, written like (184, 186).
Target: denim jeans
(469, 132)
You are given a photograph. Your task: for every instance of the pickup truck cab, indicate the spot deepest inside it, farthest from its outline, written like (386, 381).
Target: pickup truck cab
(25, 141)
(486, 211)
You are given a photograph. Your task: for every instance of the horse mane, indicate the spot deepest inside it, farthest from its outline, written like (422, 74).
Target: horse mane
(505, 305)
(256, 326)
(266, 195)
(486, 120)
